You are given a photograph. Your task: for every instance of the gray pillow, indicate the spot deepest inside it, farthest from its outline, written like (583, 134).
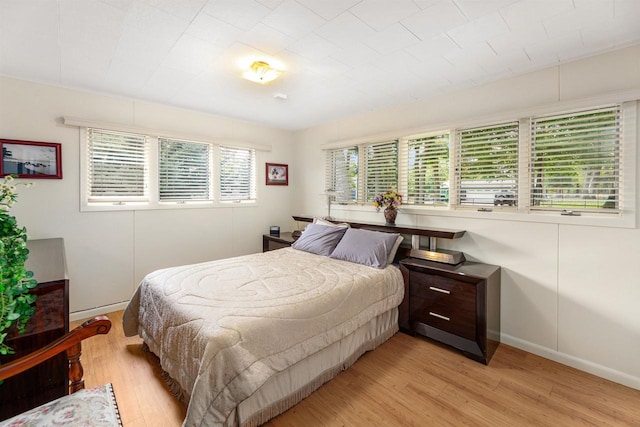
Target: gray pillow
(319, 239)
(366, 247)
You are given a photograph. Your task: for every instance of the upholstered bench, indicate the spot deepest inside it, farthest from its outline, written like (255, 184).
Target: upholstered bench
(88, 407)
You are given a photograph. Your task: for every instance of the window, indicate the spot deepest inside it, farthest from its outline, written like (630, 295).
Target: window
(185, 170)
(487, 165)
(118, 169)
(342, 174)
(237, 174)
(427, 165)
(357, 174)
(380, 168)
(575, 161)
(580, 161)
(135, 171)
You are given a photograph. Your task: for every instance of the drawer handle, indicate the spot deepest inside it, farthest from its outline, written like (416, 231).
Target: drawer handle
(439, 316)
(444, 291)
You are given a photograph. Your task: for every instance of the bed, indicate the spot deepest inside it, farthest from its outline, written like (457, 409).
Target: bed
(243, 339)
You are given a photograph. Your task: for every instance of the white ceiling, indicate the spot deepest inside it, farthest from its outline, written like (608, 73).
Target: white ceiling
(343, 57)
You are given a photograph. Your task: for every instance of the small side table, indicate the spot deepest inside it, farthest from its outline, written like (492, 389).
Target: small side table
(456, 305)
(270, 243)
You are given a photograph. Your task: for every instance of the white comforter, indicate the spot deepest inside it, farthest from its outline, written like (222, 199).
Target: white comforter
(222, 328)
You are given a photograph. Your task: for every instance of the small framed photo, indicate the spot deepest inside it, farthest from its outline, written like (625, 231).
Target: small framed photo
(28, 159)
(277, 174)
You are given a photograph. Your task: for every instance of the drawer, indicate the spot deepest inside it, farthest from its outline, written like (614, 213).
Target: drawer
(431, 285)
(444, 303)
(277, 245)
(458, 320)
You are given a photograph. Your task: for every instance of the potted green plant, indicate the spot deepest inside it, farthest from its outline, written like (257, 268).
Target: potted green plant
(16, 302)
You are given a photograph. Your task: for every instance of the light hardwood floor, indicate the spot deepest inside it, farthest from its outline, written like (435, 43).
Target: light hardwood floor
(407, 381)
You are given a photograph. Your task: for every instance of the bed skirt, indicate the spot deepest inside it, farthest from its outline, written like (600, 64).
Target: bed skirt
(288, 387)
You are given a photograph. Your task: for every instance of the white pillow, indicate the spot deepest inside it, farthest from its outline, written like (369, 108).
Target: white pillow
(394, 249)
(329, 223)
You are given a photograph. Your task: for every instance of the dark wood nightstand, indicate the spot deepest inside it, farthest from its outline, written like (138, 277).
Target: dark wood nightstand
(458, 305)
(270, 243)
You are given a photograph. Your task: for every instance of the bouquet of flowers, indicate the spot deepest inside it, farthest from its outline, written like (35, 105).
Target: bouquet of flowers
(388, 199)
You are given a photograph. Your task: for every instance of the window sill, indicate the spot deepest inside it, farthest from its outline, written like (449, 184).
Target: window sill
(133, 206)
(621, 220)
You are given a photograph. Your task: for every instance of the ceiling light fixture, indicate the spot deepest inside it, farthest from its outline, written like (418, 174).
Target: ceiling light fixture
(261, 72)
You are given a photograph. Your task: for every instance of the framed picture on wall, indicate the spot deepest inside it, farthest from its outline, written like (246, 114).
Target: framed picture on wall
(277, 174)
(29, 159)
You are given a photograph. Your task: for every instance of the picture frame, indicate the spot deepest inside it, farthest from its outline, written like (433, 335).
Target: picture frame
(277, 174)
(30, 159)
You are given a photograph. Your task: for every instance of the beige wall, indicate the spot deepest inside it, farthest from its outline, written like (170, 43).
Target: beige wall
(570, 292)
(108, 253)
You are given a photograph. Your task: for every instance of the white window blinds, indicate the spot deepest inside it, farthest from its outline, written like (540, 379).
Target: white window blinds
(117, 169)
(184, 170)
(237, 174)
(381, 168)
(487, 159)
(576, 160)
(342, 174)
(427, 170)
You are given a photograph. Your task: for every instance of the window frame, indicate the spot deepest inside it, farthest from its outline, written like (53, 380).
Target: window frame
(144, 150)
(369, 187)
(405, 174)
(569, 144)
(210, 165)
(253, 183)
(625, 218)
(153, 163)
(331, 172)
(488, 190)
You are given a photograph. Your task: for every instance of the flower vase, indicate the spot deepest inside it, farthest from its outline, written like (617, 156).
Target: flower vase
(390, 214)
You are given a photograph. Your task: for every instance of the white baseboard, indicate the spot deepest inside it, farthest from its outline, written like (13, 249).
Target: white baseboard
(574, 362)
(97, 311)
(547, 353)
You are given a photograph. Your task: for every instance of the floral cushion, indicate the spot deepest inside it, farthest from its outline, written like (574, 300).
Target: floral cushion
(90, 407)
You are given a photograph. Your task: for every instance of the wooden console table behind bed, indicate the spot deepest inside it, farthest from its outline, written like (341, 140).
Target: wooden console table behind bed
(433, 253)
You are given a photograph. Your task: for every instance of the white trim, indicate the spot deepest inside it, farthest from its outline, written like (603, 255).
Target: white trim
(509, 115)
(575, 362)
(497, 214)
(367, 140)
(84, 168)
(133, 206)
(523, 213)
(153, 202)
(524, 160)
(630, 132)
(97, 311)
(87, 123)
(547, 353)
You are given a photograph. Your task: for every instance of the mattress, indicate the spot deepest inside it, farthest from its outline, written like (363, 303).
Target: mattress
(225, 329)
